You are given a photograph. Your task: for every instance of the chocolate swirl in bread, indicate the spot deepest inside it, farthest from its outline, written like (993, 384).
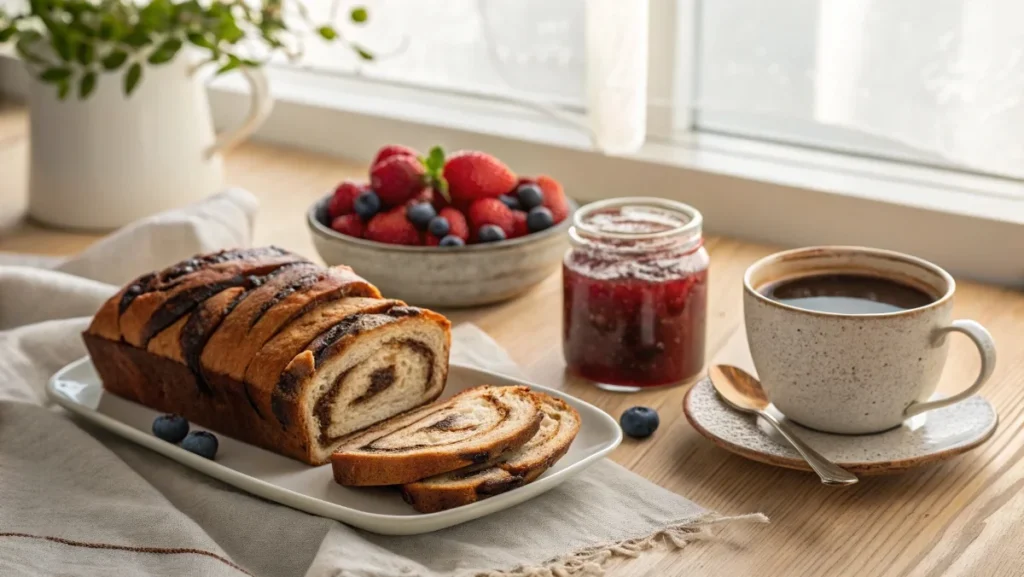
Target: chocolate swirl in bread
(472, 428)
(269, 348)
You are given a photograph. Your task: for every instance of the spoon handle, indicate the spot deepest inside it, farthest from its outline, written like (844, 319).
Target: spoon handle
(830, 473)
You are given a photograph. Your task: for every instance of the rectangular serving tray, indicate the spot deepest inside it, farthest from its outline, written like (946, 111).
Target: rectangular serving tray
(77, 388)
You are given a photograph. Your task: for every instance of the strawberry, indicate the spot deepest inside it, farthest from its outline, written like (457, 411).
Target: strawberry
(393, 150)
(554, 198)
(491, 211)
(349, 224)
(397, 179)
(344, 196)
(474, 175)
(431, 240)
(392, 228)
(519, 227)
(457, 225)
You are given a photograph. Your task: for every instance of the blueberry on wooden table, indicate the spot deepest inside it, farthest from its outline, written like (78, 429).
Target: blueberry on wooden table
(639, 422)
(202, 443)
(170, 428)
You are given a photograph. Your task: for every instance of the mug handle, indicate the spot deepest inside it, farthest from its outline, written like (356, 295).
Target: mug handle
(986, 347)
(259, 109)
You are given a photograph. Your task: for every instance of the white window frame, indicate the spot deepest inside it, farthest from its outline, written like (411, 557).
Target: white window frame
(778, 194)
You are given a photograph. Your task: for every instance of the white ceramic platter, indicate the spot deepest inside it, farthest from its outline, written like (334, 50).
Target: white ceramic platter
(77, 388)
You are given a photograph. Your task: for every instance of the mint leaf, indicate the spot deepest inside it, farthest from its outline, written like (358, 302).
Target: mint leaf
(63, 87)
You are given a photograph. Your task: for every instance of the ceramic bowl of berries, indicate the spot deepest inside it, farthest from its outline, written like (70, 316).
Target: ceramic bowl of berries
(445, 231)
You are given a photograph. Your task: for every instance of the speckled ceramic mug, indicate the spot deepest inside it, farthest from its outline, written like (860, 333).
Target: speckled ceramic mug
(855, 373)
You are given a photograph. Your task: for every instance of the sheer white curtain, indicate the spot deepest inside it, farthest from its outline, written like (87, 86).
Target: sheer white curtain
(946, 77)
(558, 56)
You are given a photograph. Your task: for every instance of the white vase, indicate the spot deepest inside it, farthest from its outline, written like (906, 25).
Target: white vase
(103, 162)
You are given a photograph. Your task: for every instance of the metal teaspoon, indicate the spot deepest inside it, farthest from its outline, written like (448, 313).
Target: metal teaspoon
(742, 391)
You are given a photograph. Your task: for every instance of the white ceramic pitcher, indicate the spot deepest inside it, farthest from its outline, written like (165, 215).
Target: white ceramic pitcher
(110, 159)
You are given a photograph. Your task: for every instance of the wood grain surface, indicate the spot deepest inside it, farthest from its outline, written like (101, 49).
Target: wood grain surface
(964, 517)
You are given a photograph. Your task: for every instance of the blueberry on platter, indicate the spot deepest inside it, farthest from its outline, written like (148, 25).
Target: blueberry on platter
(202, 443)
(170, 428)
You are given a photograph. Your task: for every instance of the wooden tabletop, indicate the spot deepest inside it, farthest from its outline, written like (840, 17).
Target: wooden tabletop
(964, 517)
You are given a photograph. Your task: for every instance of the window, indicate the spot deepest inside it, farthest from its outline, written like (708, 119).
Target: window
(532, 49)
(934, 83)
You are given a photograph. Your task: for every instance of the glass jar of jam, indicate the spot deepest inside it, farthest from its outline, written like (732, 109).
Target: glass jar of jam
(635, 294)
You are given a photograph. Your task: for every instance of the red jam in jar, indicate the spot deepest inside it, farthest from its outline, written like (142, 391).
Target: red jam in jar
(635, 294)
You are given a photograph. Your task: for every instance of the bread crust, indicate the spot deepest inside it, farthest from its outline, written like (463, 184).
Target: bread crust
(352, 468)
(267, 306)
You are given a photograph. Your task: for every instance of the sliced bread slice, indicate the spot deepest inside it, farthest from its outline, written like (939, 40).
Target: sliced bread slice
(471, 428)
(513, 469)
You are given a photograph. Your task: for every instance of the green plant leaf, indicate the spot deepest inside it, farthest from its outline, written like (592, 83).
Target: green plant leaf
(62, 45)
(200, 40)
(132, 78)
(86, 85)
(115, 59)
(7, 33)
(137, 38)
(63, 87)
(85, 53)
(327, 33)
(165, 52)
(24, 47)
(362, 52)
(232, 63)
(359, 14)
(55, 74)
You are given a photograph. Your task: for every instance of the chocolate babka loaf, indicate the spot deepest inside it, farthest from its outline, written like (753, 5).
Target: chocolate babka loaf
(266, 347)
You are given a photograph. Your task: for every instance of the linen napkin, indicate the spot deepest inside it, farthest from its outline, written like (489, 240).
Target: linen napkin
(77, 500)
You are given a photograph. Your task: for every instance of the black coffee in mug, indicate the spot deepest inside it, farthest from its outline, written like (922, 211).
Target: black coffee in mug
(849, 294)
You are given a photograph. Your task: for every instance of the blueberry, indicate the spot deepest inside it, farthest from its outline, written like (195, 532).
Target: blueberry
(530, 195)
(201, 443)
(490, 233)
(171, 428)
(510, 201)
(539, 219)
(639, 422)
(451, 240)
(438, 226)
(420, 214)
(367, 204)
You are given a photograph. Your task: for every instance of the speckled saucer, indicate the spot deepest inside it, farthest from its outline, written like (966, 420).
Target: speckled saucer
(926, 438)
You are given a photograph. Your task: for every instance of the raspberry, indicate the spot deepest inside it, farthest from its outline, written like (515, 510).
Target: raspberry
(392, 227)
(344, 196)
(554, 198)
(457, 225)
(519, 227)
(393, 150)
(474, 175)
(397, 179)
(491, 211)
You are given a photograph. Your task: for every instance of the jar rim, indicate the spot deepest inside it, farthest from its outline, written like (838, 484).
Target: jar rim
(693, 224)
